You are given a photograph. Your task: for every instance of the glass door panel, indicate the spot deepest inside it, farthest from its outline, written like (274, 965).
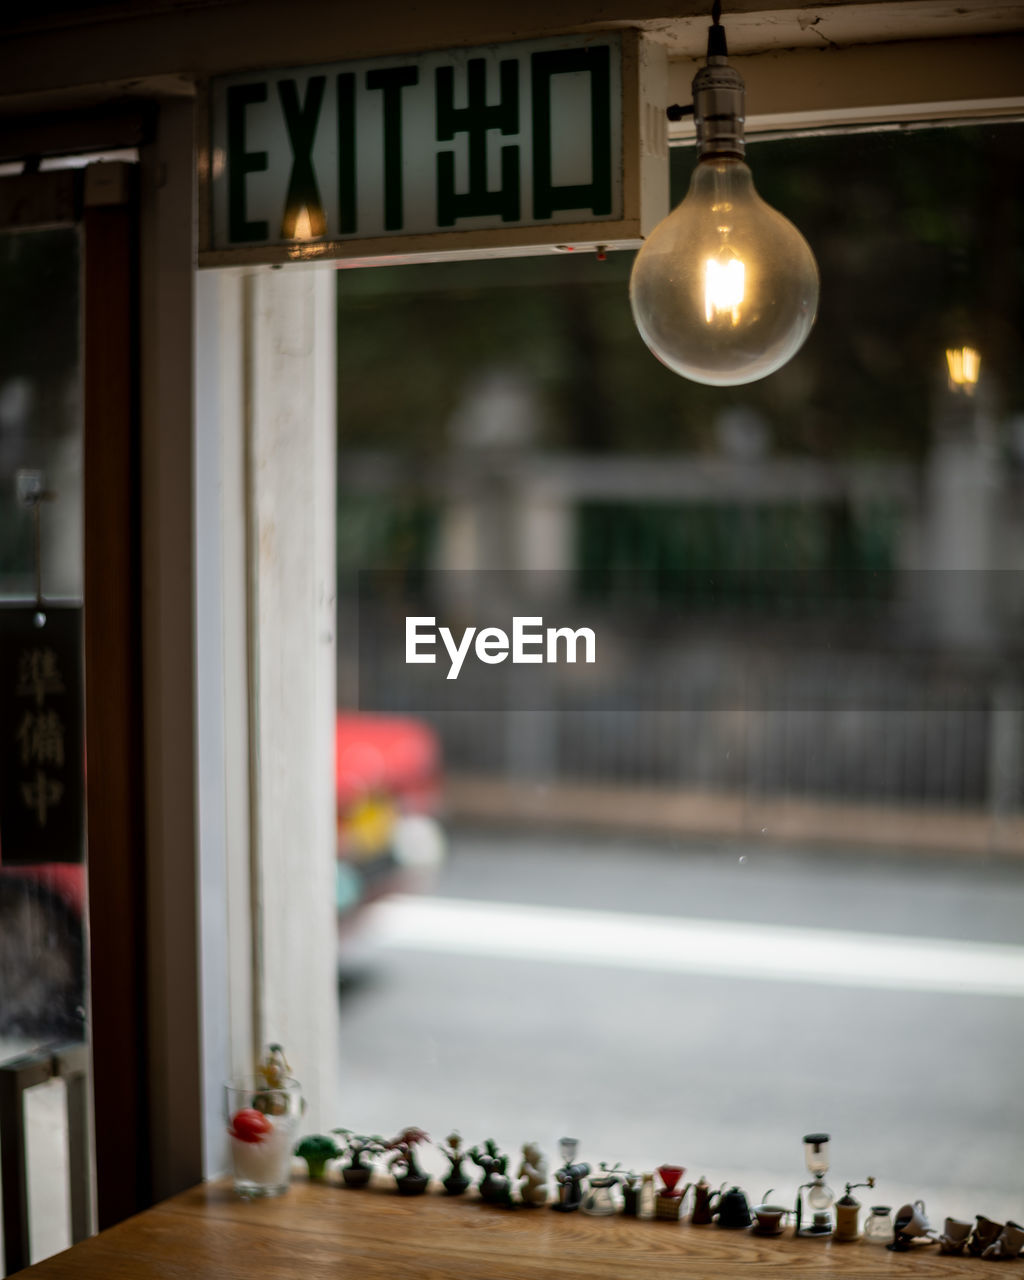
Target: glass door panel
(43, 910)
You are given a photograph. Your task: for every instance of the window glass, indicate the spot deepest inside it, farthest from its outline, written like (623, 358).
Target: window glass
(43, 912)
(760, 875)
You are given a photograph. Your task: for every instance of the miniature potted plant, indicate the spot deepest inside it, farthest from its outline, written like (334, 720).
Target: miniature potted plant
(495, 1187)
(317, 1149)
(357, 1146)
(455, 1182)
(410, 1180)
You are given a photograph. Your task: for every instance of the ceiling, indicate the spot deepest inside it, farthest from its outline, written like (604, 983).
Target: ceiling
(87, 51)
(755, 28)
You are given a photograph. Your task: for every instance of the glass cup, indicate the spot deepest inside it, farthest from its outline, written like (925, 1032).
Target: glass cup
(262, 1129)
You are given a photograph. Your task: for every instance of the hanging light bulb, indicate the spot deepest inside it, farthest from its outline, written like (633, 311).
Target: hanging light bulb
(725, 289)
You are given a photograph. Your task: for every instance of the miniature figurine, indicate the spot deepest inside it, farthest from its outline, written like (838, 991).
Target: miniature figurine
(411, 1180)
(985, 1234)
(1007, 1244)
(599, 1201)
(733, 1210)
(496, 1186)
(819, 1196)
(668, 1203)
(769, 1219)
(455, 1181)
(274, 1072)
(704, 1202)
(848, 1213)
(317, 1149)
(567, 1149)
(910, 1224)
(274, 1068)
(878, 1228)
(570, 1186)
(954, 1236)
(631, 1184)
(569, 1177)
(533, 1190)
(357, 1146)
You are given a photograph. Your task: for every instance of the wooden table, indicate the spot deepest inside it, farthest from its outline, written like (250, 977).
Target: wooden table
(318, 1231)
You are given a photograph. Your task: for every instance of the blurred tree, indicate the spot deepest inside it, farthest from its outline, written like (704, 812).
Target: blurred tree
(919, 236)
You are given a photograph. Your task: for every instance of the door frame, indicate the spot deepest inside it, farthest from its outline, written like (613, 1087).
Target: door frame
(102, 202)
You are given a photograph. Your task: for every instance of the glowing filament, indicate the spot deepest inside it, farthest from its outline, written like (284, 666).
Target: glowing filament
(723, 289)
(964, 364)
(303, 225)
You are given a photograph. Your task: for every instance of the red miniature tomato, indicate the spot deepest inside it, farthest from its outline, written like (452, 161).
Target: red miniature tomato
(250, 1125)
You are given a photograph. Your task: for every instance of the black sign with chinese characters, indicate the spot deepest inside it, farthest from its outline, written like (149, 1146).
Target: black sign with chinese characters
(42, 764)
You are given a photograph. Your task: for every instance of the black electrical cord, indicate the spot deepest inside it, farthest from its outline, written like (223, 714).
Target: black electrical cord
(716, 49)
(716, 33)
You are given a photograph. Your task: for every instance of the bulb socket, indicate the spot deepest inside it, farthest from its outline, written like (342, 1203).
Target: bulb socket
(719, 109)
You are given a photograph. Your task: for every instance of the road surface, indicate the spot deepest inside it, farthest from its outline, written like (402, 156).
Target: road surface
(706, 1006)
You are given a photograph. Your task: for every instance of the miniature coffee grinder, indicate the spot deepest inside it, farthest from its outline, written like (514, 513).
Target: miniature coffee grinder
(848, 1212)
(819, 1197)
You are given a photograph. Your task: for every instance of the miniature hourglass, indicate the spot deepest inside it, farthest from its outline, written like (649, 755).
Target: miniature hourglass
(819, 1197)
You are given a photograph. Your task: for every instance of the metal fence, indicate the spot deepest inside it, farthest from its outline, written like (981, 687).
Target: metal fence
(857, 728)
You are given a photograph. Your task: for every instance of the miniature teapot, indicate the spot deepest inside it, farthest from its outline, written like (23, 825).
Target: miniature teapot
(733, 1210)
(704, 1200)
(598, 1200)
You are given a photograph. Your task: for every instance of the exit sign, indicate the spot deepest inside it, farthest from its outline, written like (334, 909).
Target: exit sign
(506, 148)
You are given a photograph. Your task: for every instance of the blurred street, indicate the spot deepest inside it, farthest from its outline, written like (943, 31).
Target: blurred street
(705, 1005)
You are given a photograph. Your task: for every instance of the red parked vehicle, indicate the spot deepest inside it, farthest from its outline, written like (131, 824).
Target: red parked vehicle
(387, 773)
(388, 790)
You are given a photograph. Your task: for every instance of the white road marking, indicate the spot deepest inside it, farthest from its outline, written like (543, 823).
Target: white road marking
(727, 948)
